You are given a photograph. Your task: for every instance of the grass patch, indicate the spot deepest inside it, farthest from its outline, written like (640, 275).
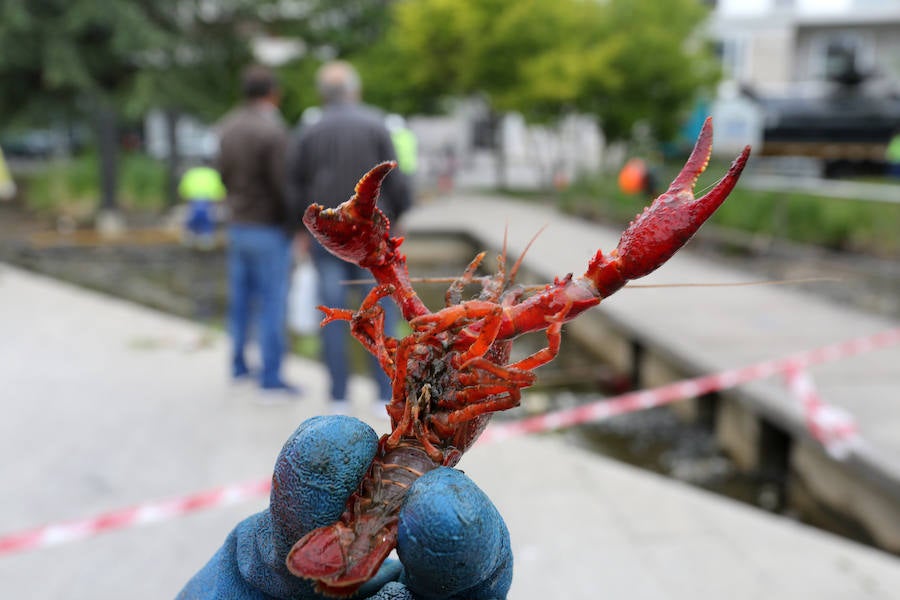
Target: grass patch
(71, 187)
(851, 225)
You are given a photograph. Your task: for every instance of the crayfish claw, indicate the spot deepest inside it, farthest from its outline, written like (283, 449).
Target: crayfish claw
(667, 224)
(704, 206)
(696, 162)
(367, 188)
(356, 231)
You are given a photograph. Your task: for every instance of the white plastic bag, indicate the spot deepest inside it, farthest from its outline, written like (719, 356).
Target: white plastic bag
(303, 316)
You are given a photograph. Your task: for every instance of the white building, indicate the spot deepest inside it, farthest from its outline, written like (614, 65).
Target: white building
(791, 51)
(771, 44)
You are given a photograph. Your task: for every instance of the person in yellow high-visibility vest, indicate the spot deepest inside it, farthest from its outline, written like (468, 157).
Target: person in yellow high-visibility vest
(405, 144)
(203, 189)
(7, 185)
(892, 155)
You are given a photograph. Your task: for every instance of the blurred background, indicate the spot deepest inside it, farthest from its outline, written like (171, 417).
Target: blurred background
(584, 108)
(104, 108)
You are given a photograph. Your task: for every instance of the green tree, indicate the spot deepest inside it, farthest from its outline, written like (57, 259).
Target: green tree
(331, 28)
(60, 56)
(95, 59)
(623, 60)
(196, 73)
(348, 29)
(298, 90)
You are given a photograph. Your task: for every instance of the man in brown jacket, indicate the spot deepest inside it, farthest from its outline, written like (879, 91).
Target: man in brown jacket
(252, 141)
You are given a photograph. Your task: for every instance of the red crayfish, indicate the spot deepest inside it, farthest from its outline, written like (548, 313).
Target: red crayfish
(453, 370)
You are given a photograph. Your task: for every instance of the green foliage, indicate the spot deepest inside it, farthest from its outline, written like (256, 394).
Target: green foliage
(71, 187)
(298, 89)
(623, 60)
(868, 227)
(661, 61)
(349, 29)
(64, 61)
(335, 27)
(61, 52)
(143, 182)
(68, 55)
(197, 71)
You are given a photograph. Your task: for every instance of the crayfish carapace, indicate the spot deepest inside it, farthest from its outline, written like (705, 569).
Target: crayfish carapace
(453, 370)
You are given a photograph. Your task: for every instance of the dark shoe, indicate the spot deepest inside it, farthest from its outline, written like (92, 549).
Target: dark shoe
(281, 386)
(280, 393)
(241, 373)
(247, 379)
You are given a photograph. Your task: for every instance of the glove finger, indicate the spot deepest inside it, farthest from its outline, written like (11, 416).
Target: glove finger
(320, 465)
(452, 541)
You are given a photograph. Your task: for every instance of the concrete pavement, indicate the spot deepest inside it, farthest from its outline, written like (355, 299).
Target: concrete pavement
(108, 404)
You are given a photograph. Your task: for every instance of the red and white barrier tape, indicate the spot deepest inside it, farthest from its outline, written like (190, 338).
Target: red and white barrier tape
(143, 514)
(836, 430)
(833, 427)
(689, 388)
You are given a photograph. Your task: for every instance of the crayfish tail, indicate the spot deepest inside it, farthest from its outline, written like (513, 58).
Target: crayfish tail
(338, 560)
(319, 553)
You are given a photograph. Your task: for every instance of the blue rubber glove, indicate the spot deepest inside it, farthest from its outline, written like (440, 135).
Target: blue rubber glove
(452, 542)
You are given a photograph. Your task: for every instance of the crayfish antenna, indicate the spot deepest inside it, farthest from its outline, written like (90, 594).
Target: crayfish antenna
(501, 259)
(454, 292)
(515, 268)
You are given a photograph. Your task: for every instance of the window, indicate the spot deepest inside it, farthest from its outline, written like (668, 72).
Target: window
(733, 54)
(844, 56)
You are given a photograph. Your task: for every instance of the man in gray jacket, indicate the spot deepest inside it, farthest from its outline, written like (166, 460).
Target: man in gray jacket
(252, 143)
(326, 159)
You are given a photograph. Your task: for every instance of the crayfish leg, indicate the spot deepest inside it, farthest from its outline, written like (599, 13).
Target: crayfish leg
(406, 425)
(454, 292)
(476, 393)
(509, 374)
(422, 434)
(335, 314)
(367, 326)
(486, 336)
(518, 264)
(453, 316)
(398, 408)
(375, 294)
(554, 337)
(488, 404)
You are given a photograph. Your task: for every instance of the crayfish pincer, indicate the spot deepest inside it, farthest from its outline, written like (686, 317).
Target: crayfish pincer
(453, 370)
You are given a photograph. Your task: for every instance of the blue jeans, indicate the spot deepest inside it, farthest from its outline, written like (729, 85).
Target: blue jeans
(336, 335)
(201, 217)
(258, 270)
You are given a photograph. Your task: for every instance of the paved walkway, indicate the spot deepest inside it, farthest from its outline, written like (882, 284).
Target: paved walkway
(831, 188)
(108, 404)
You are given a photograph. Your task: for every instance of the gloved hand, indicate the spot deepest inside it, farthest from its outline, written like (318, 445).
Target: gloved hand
(452, 542)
